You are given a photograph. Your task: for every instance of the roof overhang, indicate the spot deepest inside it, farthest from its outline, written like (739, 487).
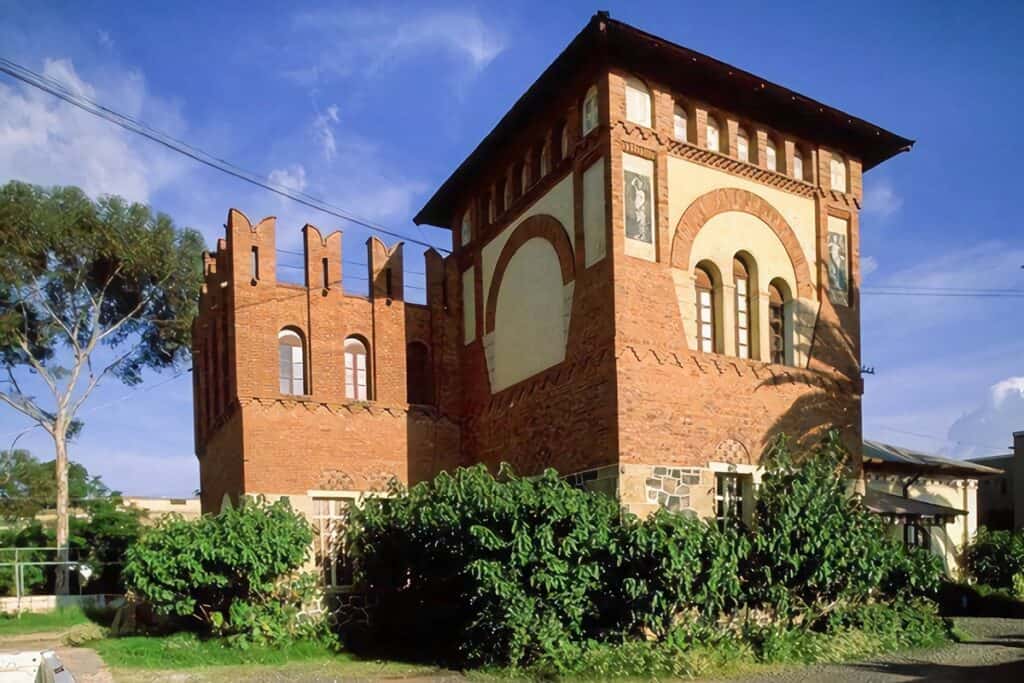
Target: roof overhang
(881, 457)
(891, 505)
(693, 74)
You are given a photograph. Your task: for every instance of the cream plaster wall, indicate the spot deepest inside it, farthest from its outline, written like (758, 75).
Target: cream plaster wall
(531, 320)
(557, 203)
(947, 541)
(688, 181)
(594, 213)
(468, 306)
(721, 238)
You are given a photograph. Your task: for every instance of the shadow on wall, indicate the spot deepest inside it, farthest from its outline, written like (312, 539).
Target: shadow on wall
(832, 383)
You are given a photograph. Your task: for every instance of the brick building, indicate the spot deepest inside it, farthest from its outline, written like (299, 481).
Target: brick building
(655, 270)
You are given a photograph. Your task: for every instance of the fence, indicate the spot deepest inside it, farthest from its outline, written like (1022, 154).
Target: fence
(23, 556)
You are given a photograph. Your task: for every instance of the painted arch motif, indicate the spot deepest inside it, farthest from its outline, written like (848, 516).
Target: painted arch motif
(719, 201)
(529, 302)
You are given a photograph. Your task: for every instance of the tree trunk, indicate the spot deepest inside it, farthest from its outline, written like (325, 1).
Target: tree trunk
(60, 441)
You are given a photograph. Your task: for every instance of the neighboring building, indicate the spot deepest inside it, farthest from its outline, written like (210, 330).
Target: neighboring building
(998, 504)
(655, 271)
(155, 508)
(931, 501)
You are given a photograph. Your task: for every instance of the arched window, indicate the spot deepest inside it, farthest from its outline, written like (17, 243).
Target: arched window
(292, 367)
(590, 115)
(638, 102)
(777, 326)
(741, 278)
(679, 124)
(742, 145)
(512, 185)
(545, 159)
(837, 171)
(418, 375)
(563, 142)
(771, 156)
(798, 164)
(537, 165)
(706, 322)
(492, 212)
(357, 375)
(500, 197)
(712, 134)
(525, 173)
(467, 227)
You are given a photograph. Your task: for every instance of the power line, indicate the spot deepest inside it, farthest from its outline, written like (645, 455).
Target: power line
(59, 90)
(942, 439)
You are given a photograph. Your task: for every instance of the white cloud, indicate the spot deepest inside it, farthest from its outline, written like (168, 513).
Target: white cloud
(293, 177)
(986, 265)
(868, 265)
(986, 429)
(323, 129)
(880, 198)
(47, 141)
(366, 41)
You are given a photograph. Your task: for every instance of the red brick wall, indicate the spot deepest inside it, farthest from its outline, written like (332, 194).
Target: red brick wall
(286, 444)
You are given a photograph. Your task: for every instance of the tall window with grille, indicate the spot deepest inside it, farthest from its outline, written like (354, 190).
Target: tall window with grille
(357, 384)
(777, 324)
(705, 311)
(330, 518)
(728, 497)
(741, 277)
(292, 370)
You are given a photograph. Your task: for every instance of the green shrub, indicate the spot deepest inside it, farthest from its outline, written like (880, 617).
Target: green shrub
(816, 548)
(235, 573)
(995, 557)
(485, 571)
(679, 566)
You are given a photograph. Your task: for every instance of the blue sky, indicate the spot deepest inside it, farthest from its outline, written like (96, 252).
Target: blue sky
(371, 106)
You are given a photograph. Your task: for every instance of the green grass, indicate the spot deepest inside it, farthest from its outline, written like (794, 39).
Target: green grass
(141, 654)
(28, 622)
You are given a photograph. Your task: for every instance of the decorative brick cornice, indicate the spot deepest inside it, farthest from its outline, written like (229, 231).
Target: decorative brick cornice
(349, 408)
(723, 162)
(709, 363)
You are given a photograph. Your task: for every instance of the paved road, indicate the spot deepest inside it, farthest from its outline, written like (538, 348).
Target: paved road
(995, 654)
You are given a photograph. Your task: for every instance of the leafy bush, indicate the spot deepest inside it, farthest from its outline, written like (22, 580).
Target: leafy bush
(676, 565)
(234, 573)
(995, 557)
(532, 573)
(487, 571)
(815, 547)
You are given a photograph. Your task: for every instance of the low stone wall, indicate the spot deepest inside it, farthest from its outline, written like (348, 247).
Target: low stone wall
(51, 603)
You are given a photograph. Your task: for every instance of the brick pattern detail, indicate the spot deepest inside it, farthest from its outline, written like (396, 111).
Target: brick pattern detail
(709, 205)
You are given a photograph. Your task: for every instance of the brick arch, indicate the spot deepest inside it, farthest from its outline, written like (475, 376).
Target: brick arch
(545, 227)
(709, 205)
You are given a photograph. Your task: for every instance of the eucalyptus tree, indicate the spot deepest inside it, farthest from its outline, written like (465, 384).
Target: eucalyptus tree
(89, 291)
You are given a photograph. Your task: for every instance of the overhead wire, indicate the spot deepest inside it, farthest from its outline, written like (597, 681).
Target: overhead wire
(61, 91)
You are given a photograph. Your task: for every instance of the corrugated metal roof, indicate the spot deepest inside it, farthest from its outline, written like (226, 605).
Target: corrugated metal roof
(890, 504)
(883, 452)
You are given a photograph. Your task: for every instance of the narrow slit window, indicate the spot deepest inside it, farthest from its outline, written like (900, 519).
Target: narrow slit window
(705, 312)
(742, 280)
(254, 263)
(323, 274)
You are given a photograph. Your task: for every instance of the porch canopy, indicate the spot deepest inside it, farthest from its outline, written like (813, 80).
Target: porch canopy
(893, 507)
